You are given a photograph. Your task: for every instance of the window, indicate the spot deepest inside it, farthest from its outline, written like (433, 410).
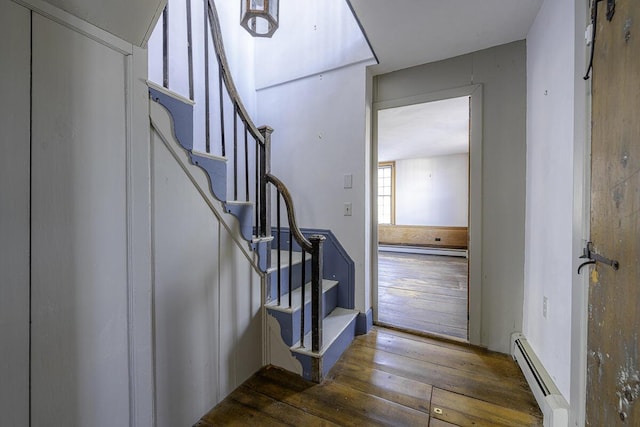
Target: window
(386, 193)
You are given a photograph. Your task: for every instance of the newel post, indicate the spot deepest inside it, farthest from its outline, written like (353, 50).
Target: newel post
(265, 193)
(317, 309)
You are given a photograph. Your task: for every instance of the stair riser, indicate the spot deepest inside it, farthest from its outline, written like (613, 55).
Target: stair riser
(290, 322)
(330, 357)
(296, 278)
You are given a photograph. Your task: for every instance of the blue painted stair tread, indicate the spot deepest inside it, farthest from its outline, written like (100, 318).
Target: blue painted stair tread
(338, 332)
(337, 263)
(181, 111)
(289, 317)
(216, 169)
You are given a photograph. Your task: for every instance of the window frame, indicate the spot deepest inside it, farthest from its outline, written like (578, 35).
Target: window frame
(392, 166)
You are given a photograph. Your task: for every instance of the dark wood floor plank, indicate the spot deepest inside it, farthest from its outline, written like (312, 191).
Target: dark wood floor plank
(231, 413)
(372, 407)
(278, 410)
(335, 402)
(412, 315)
(404, 391)
(453, 344)
(464, 358)
(434, 422)
(413, 325)
(425, 293)
(388, 378)
(467, 383)
(466, 411)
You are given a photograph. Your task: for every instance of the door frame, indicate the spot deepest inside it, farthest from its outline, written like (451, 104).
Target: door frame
(581, 219)
(475, 196)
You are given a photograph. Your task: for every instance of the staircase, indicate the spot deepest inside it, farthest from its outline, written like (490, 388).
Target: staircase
(307, 275)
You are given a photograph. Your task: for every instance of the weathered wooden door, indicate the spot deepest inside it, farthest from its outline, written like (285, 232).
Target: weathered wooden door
(613, 371)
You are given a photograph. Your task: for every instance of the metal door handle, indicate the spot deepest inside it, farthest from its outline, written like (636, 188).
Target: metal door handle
(588, 253)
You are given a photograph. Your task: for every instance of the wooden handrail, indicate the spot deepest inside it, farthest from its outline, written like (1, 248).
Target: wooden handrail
(304, 243)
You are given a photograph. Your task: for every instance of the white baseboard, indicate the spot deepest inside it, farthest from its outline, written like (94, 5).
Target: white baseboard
(553, 405)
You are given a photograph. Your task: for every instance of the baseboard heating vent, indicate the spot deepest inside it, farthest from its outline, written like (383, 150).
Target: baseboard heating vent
(553, 405)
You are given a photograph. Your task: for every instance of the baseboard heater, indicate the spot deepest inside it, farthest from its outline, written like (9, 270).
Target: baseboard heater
(553, 405)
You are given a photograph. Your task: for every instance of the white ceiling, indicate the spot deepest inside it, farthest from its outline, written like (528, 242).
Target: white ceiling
(131, 20)
(431, 129)
(405, 33)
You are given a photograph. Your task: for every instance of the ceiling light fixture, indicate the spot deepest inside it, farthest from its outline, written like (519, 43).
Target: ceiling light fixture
(259, 17)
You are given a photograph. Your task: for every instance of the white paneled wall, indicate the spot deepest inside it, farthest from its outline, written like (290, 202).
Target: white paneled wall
(79, 331)
(206, 299)
(120, 317)
(14, 214)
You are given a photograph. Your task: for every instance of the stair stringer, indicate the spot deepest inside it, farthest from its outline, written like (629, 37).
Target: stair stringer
(278, 352)
(216, 169)
(165, 125)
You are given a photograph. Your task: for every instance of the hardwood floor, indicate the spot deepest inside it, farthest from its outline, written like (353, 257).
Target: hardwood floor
(423, 293)
(389, 378)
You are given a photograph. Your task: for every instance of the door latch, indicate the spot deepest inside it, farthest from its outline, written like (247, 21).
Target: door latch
(588, 253)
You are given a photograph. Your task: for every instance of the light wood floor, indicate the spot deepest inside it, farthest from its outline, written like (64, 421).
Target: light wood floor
(389, 378)
(423, 293)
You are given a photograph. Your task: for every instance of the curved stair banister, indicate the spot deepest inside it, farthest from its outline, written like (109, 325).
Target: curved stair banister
(313, 246)
(262, 136)
(257, 227)
(291, 215)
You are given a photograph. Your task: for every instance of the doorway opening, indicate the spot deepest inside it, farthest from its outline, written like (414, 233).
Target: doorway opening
(427, 159)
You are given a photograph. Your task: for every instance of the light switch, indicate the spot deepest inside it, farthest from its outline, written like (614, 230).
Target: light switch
(348, 181)
(347, 208)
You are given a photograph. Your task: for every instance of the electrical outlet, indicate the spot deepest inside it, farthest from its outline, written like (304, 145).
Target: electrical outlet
(347, 209)
(545, 307)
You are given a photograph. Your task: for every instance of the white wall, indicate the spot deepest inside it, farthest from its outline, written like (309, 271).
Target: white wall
(314, 145)
(312, 37)
(14, 214)
(550, 188)
(311, 80)
(433, 191)
(502, 71)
